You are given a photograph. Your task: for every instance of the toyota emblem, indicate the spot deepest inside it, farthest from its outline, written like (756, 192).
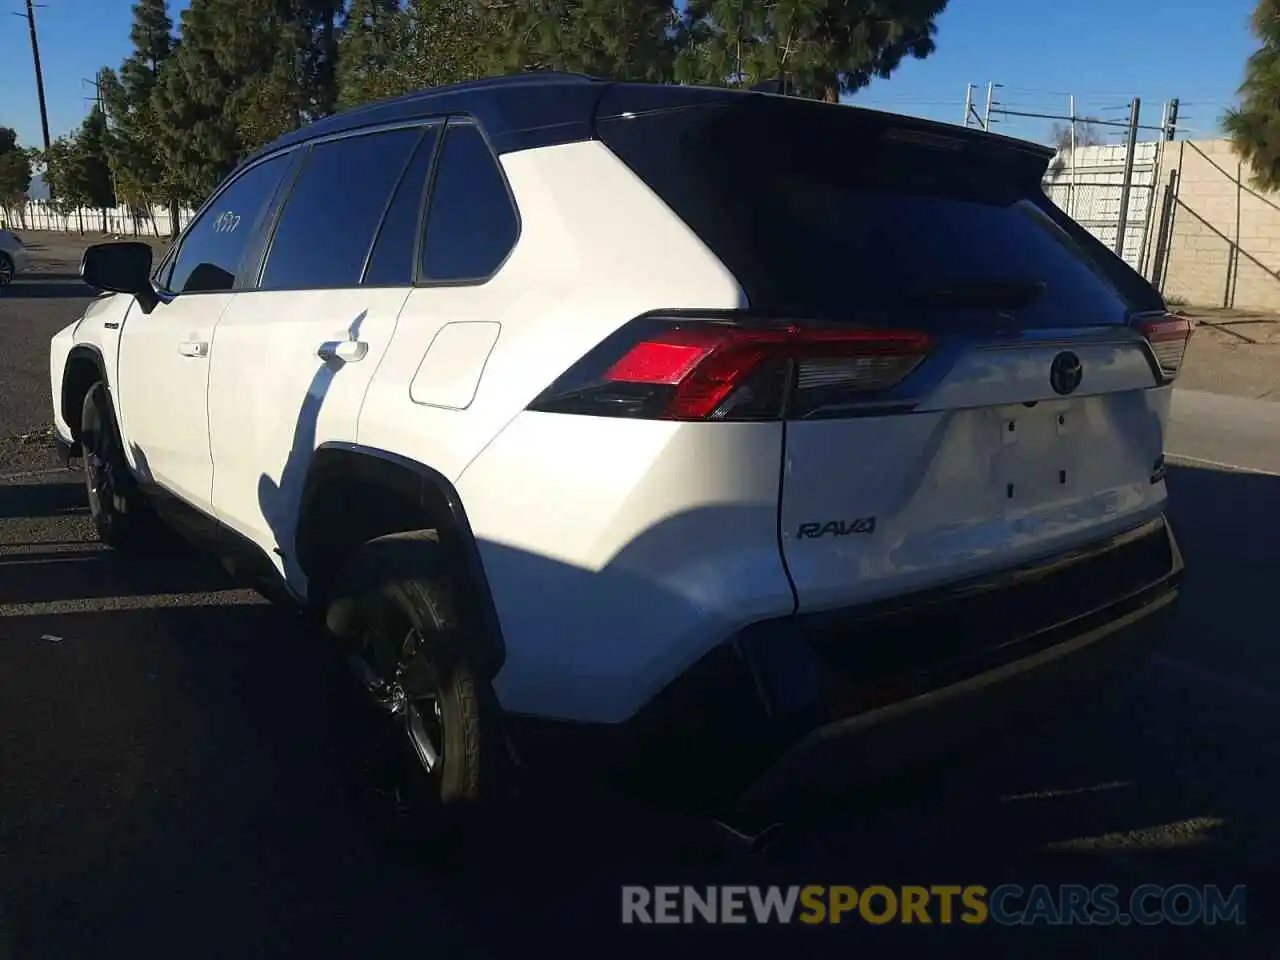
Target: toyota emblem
(1065, 373)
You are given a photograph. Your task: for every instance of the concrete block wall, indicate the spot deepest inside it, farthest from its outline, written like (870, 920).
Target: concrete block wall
(1222, 235)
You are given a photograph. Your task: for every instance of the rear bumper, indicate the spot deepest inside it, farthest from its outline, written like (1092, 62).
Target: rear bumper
(794, 711)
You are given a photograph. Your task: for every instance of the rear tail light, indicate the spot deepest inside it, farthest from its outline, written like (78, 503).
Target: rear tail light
(1168, 335)
(733, 368)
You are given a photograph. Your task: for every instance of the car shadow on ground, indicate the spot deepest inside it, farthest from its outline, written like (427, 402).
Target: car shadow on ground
(43, 289)
(201, 765)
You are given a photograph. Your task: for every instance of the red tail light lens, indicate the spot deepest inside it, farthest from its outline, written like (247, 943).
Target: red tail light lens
(692, 369)
(1169, 336)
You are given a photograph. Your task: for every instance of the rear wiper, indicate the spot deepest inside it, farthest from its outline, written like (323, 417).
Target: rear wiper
(981, 294)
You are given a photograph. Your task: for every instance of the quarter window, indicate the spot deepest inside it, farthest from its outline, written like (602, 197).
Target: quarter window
(471, 223)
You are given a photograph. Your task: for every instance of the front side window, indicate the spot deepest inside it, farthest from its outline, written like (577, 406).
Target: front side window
(471, 222)
(213, 250)
(327, 227)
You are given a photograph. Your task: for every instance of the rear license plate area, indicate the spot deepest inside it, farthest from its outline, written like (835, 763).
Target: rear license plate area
(1038, 451)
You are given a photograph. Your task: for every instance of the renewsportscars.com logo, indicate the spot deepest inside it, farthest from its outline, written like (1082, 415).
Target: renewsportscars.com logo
(1006, 905)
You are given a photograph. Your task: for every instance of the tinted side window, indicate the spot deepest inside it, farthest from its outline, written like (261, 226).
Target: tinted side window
(471, 224)
(328, 223)
(214, 246)
(391, 263)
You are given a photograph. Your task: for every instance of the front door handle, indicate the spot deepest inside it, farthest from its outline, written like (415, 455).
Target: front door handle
(192, 348)
(348, 351)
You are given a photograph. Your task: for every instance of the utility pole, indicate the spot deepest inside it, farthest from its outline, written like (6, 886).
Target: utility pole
(30, 17)
(1071, 183)
(35, 55)
(1171, 120)
(1135, 108)
(986, 117)
(968, 102)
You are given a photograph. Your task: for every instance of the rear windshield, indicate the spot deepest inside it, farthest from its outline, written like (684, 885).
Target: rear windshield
(830, 212)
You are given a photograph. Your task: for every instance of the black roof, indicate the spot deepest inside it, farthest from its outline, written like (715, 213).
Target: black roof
(524, 110)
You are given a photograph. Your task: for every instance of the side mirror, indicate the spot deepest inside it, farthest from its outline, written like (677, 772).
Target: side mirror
(123, 267)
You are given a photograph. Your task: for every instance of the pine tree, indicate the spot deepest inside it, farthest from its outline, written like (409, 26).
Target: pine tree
(1254, 126)
(386, 51)
(818, 48)
(366, 51)
(96, 184)
(619, 39)
(230, 86)
(126, 94)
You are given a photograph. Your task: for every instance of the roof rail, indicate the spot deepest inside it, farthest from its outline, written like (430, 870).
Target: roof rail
(502, 80)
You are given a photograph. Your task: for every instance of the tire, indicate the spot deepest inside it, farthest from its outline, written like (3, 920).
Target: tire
(396, 613)
(120, 516)
(7, 271)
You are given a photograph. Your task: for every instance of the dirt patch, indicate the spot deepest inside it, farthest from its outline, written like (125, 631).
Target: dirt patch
(1234, 352)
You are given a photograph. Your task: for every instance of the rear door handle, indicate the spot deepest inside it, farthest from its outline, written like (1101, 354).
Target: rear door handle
(191, 348)
(348, 351)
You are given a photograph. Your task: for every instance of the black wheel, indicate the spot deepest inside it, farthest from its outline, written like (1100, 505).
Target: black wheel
(119, 514)
(397, 614)
(6, 269)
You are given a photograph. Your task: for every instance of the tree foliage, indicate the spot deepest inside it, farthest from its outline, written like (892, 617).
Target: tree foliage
(619, 39)
(127, 94)
(819, 48)
(1088, 134)
(386, 50)
(15, 169)
(1254, 125)
(244, 72)
(76, 167)
(184, 112)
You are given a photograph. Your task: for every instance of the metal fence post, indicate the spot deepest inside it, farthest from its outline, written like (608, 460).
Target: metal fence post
(1134, 109)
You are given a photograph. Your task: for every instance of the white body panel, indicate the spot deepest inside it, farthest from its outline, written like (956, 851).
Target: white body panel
(573, 278)
(273, 400)
(937, 486)
(90, 330)
(450, 371)
(992, 469)
(621, 551)
(162, 393)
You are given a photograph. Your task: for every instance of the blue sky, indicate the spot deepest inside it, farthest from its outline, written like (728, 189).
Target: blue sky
(1103, 51)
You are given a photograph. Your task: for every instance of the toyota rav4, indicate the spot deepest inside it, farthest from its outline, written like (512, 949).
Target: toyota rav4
(606, 422)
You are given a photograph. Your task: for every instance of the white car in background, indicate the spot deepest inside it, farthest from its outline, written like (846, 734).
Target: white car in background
(13, 257)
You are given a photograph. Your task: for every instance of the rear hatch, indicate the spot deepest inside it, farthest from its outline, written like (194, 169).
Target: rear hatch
(974, 381)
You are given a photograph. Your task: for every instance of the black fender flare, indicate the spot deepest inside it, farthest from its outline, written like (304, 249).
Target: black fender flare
(426, 489)
(80, 352)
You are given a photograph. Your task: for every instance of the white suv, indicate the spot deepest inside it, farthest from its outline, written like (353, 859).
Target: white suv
(600, 415)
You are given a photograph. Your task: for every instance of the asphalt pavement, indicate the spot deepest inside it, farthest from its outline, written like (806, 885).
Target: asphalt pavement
(178, 776)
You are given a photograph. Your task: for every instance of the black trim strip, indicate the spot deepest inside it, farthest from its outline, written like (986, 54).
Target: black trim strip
(391, 199)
